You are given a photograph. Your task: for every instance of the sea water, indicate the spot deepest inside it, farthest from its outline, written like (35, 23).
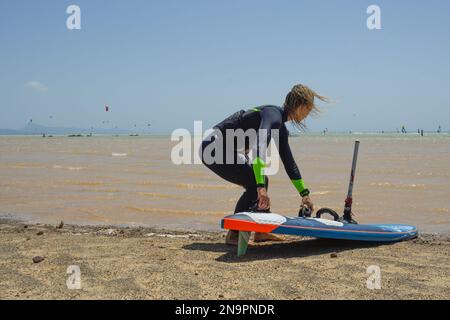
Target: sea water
(132, 181)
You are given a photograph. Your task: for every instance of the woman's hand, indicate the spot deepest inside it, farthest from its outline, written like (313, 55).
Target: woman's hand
(263, 199)
(307, 202)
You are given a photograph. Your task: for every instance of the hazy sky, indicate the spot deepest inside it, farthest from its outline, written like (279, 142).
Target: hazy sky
(169, 63)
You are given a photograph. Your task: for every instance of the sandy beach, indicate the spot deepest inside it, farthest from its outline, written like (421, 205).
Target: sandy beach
(141, 263)
(139, 227)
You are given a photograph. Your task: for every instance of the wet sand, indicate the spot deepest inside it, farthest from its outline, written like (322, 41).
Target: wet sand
(141, 263)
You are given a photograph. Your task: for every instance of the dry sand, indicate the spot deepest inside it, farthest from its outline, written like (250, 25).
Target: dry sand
(125, 263)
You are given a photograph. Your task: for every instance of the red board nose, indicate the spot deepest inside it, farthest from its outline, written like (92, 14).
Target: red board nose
(242, 225)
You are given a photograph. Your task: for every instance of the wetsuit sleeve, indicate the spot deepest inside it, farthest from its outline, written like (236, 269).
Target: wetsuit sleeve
(271, 118)
(289, 163)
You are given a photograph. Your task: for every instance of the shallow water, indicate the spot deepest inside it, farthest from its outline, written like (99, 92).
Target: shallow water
(132, 181)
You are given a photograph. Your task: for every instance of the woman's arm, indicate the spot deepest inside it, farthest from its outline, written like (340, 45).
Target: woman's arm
(271, 118)
(289, 163)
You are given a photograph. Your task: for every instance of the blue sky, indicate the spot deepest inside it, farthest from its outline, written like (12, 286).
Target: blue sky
(169, 63)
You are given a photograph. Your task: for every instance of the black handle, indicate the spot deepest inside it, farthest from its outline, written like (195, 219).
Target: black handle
(305, 212)
(329, 211)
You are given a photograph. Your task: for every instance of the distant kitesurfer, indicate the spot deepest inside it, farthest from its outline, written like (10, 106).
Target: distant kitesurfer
(298, 105)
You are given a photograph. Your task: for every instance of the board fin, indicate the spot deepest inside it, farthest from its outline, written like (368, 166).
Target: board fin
(244, 237)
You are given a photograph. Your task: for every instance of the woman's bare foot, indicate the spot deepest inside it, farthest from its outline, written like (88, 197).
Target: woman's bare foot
(263, 237)
(232, 238)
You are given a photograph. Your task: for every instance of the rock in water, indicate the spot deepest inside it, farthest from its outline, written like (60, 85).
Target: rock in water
(40, 233)
(38, 259)
(61, 225)
(333, 255)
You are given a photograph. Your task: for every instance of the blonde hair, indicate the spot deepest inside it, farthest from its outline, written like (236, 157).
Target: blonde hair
(302, 96)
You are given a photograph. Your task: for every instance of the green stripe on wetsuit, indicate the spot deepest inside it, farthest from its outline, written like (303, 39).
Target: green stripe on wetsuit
(258, 164)
(299, 184)
(258, 169)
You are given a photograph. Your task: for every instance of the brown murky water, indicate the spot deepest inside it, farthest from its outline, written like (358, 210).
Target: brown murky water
(131, 180)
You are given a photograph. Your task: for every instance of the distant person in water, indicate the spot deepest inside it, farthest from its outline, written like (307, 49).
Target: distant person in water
(403, 129)
(299, 103)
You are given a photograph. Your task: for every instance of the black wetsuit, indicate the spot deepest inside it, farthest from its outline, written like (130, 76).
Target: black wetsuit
(247, 174)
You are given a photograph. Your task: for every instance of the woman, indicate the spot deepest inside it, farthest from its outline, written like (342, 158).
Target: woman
(298, 105)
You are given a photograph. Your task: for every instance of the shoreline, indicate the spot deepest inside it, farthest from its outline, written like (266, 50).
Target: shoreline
(26, 219)
(149, 263)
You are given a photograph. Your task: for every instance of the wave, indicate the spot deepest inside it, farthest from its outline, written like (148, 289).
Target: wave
(104, 190)
(26, 166)
(158, 195)
(319, 193)
(401, 186)
(441, 210)
(174, 211)
(92, 214)
(191, 186)
(85, 183)
(115, 154)
(69, 168)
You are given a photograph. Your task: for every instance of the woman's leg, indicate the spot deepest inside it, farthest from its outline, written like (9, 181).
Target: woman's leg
(246, 201)
(249, 198)
(240, 174)
(237, 173)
